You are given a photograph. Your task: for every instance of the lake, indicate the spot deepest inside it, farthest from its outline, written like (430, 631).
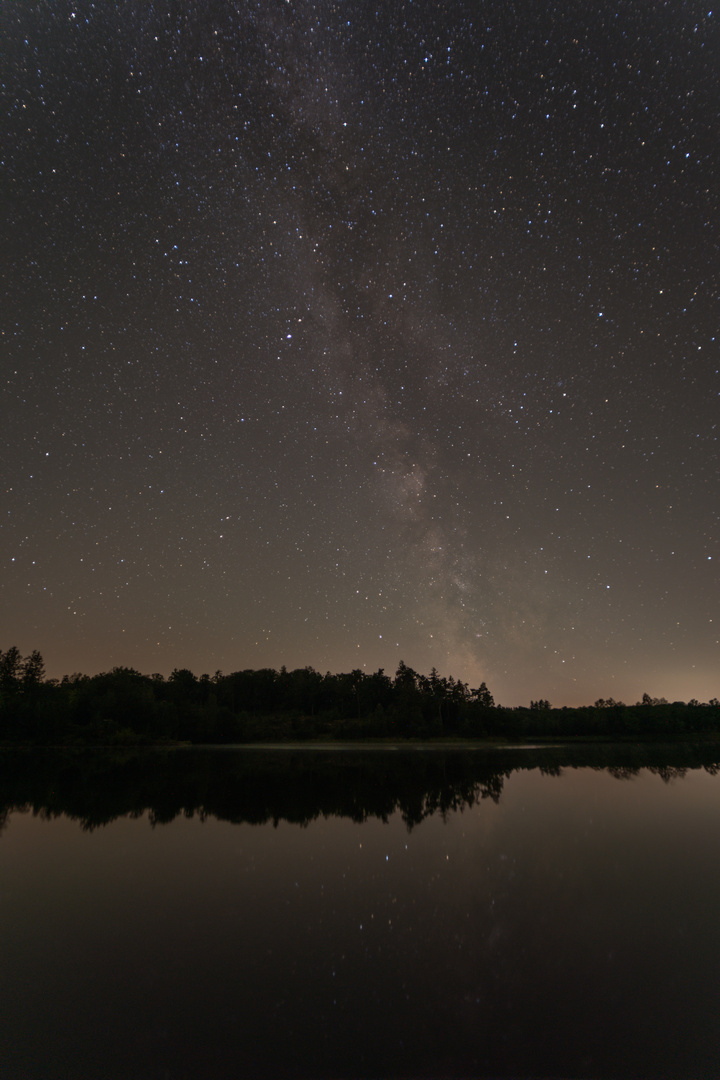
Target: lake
(203, 913)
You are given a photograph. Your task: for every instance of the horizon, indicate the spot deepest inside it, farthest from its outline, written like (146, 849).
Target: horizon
(620, 699)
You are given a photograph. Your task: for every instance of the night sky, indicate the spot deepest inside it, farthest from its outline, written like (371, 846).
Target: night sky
(341, 333)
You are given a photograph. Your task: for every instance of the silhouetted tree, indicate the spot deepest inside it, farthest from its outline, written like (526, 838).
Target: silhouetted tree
(33, 670)
(10, 669)
(483, 697)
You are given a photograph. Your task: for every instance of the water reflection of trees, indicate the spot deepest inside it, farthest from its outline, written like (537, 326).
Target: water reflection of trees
(668, 773)
(256, 787)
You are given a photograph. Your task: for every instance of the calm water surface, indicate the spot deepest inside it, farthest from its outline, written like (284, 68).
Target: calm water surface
(227, 914)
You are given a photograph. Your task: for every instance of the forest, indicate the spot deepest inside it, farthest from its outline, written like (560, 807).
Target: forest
(126, 707)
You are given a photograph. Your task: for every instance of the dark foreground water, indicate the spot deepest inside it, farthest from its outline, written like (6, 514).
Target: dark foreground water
(220, 913)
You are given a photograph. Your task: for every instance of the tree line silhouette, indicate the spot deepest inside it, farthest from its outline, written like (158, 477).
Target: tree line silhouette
(266, 705)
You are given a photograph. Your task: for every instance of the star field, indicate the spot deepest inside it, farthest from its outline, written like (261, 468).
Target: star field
(343, 333)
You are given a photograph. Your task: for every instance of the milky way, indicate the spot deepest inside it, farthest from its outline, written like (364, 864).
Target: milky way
(345, 333)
